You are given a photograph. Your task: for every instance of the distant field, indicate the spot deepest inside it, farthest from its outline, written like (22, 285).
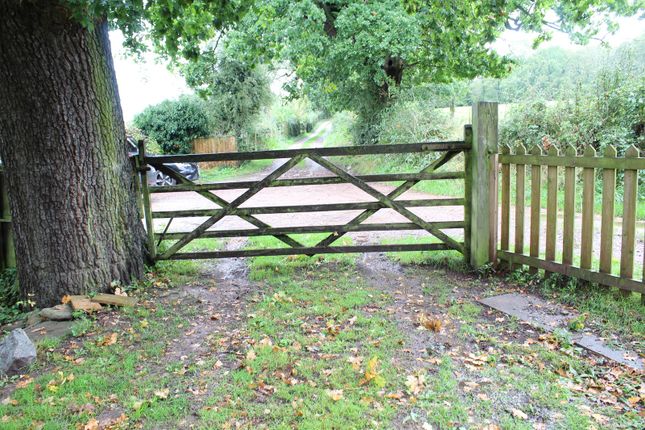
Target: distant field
(463, 116)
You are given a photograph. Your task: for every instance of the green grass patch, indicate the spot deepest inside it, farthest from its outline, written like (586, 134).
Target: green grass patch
(452, 260)
(313, 345)
(94, 374)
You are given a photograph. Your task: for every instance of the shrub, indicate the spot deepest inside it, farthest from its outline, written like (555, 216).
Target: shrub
(152, 146)
(9, 296)
(175, 123)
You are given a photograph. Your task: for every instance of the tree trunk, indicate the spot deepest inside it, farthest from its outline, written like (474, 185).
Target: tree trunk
(62, 140)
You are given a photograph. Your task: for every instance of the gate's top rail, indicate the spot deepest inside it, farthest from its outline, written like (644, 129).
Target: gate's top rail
(323, 152)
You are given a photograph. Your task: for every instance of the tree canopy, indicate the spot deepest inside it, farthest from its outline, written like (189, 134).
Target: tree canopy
(353, 54)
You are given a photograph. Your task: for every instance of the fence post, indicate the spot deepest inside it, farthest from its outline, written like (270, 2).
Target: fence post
(147, 211)
(483, 178)
(8, 251)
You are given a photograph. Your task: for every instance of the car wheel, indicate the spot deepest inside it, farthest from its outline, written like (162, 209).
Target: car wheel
(164, 180)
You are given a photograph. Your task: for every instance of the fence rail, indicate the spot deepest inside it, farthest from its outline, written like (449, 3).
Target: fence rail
(590, 164)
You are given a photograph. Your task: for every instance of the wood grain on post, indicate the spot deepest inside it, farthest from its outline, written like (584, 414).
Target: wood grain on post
(551, 206)
(468, 162)
(483, 176)
(145, 194)
(569, 208)
(607, 211)
(630, 194)
(506, 201)
(536, 183)
(588, 187)
(520, 179)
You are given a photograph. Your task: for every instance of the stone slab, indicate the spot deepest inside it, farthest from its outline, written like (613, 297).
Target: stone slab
(549, 316)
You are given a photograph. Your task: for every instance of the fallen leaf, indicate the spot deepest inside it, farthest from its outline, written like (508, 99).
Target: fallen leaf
(162, 394)
(108, 340)
(519, 414)
(335, 395)
(92, 424)
(415, 383)
(429, 323)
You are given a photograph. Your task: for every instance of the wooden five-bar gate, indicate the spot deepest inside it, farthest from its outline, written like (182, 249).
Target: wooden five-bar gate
(486, 236)
(322, 156)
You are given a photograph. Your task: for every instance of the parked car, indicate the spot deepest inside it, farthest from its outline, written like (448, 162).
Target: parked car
(160, 179)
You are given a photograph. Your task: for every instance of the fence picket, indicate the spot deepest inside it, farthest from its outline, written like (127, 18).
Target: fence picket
(569, 208)
(536, 180)
(506, 200)
(551, 206)
(630, 191)
(520, 180)
(607, 213)
(586, 241)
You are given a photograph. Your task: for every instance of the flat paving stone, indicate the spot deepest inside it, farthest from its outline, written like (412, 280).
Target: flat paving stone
(49, 329)
(549, 316)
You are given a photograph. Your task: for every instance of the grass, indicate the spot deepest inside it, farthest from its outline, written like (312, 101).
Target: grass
(310, 305)
(316, 347)
(452, 260)
(89, 375)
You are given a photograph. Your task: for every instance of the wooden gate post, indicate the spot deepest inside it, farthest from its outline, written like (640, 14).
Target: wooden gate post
(145, 194)
(482, 174)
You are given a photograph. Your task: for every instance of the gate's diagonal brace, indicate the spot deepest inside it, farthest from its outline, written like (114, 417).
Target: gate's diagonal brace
(221, 202)
(257, 187)
(385, 200)
(445, 157)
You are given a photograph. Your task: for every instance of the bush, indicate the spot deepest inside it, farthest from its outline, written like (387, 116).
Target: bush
(9, 296)
(175, 123)
(609, 111)
(152, 146)
(411, 122)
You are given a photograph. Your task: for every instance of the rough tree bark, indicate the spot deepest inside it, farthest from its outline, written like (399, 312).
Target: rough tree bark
(75, 217)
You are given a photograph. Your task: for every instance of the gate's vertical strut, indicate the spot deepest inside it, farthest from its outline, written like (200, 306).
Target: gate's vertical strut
(147, 210)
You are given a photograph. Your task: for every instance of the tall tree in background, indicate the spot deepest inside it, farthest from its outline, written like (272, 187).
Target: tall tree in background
(235, 91)
(355, 54)
(74, 212)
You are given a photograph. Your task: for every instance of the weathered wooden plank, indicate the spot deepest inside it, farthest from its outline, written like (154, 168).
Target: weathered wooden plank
(232, 205)
(309, 251)
(221, 202)
(114, 300)
(390, 203)
(306, 152)
(398, 191)
(324, 180)
(607, 213)
(306, 208)
(147, 208)
(594, 163)
(588, 199)
(340, 228)
(551, 206)
(630, 196)
(83, 303)
(506, 201)
(520, 201)
(484, 184)
(536, 184)
(569, 208)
